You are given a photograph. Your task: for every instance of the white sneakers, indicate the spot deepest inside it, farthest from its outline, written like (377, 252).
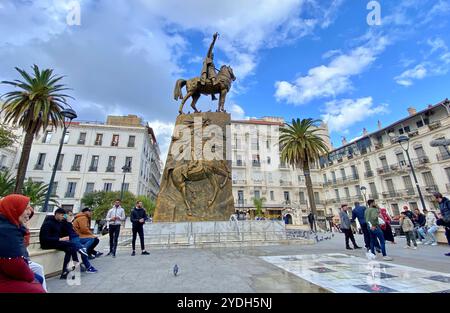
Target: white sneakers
(434, 244)
(387, 258)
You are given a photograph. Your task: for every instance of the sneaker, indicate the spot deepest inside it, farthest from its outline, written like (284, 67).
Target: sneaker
(145, 253)
(64, 275)
(419, 242)
(427, 243)
(387, 258)
(91, 257)
(378, 250)
(83, 251)
(348, 248)
(414, 248)
(358, 247)
(133, 253)
(109, 253)
(98, 254)
(91, 270)
(434, 244)
(406, 247)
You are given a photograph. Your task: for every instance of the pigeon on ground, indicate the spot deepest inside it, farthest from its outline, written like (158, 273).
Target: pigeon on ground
(175, 270)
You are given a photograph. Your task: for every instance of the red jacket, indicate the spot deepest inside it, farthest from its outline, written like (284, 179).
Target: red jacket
(17, 277)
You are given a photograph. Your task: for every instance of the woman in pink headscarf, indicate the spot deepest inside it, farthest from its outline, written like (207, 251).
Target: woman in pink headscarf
(386, 228)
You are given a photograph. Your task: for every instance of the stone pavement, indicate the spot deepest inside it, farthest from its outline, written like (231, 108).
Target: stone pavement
(226, 270)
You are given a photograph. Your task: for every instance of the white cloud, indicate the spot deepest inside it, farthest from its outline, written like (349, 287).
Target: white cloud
(407, 77)
(341, 114)
(332, 79)
(163, 132)
(437, 44)
(237, 112)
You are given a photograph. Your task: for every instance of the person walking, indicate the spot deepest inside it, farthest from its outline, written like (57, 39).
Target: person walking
(138, 217)
(408, 228)
(444, 220)
(358, 213)
(346, 228)
(386, 228)
(115, 217)
(372, 218)
(311, 221)
(431, 228)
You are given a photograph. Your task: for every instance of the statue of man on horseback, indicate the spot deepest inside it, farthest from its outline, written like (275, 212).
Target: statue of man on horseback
(209, 82)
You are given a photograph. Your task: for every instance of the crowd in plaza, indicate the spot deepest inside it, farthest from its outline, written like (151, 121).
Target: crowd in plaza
(376, 226)
(61, 231)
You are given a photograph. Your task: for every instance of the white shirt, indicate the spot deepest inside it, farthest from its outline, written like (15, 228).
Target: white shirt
(116, 212)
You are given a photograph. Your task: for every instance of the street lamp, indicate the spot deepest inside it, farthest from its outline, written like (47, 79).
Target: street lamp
(404, 143)
(363, 191)
(68, 115)
(126, 169)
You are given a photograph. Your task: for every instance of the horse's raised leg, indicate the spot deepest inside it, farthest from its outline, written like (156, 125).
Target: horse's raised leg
(213, 181)
(179, 183)
(189, 94)
(195, 98)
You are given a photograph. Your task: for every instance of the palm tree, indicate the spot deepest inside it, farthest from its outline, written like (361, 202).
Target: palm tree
(37, 191)
(300, 146)
(36, 105)
(7, 183)
(258, 203)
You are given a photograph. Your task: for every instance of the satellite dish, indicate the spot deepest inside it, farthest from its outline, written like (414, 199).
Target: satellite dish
(440, 143)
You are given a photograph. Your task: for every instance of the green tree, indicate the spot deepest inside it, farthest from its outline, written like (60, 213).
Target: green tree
(7, 183)
(148, 203)
(259, 203)
(37, 191)
(7, 137)
(34, 106)
(301, 145)
(101, 201)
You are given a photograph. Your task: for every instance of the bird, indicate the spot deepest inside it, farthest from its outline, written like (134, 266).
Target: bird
(175, 270)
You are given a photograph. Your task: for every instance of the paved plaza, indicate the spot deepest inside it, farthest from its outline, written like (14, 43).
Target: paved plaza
(322, 267)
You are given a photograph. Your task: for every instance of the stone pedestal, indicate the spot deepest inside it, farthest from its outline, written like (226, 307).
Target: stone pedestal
(196, 183)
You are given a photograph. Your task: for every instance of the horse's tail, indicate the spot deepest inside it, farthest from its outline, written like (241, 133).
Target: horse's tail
(177, 93)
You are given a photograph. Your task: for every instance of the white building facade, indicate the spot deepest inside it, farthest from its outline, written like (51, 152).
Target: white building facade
(378, 163)
(92, 159)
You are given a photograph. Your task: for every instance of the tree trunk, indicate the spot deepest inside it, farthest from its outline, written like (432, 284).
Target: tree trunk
(309, 188)
(23, 163)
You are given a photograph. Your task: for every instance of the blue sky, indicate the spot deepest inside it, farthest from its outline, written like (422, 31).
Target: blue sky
(292, 58)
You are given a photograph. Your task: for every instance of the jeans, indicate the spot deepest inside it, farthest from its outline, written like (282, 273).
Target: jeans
(138, 229)
(430, 234)
(410, 236)
(422, 233)
(114, 231)
(375, 235)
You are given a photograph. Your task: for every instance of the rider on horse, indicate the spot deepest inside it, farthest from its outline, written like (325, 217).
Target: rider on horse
(208, 69)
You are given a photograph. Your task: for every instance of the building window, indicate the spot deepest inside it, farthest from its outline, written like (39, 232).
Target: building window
(76, 162)
(384, 162)
(301, 196)
(419, 124)
(131, 141)
(71, 186)
(429, 182)
(325, 179)
(128, 162)
(336, 191)
(395, 209)
(66, 137)
(268, 145)
(89, 188)
(268, 160)
(287, 197)
(367, 166)
(257, 194)
(373, 191)
(447, 171)
(272, 195)
(98, 140)
(82, 139)
(317, 197)
(413, 206)
(358, 190)
(333, 177)
(343, 174)
(47, 137)
(60, 162)
(347, 193)
(107, 187)
(256, 160)
(355, 172)
(94, 163)
(420, 153)
(111, 164)
(240, 197)
(40, 161)
(115, 141)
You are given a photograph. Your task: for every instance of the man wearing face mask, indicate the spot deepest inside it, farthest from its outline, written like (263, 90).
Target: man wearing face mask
(115, 217)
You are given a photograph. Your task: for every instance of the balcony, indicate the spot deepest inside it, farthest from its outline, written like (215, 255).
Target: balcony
(378, 146)
(256, 164)
(110, 169)
(81, 141)
(285, 183)
(391, 194)
(431, 189)
(374, 196)
(385, 170)
(413, 133)
(75, 168)
(257, 181)
(92, 168)
(303, 202)
(407, 192)
(435, 125)
(443, 156)
(38, 167)
(240, 182)
(130, 145)
(421, 162)
(69, 194)
(239, 163)
(368, 174)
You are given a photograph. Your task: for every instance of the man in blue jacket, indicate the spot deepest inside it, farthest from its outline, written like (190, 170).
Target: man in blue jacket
(444, 207)
(358, 213)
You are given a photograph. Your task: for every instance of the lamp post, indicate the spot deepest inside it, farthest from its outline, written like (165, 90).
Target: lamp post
(404, 143)
(69, 115)
(125, 169)
(363, 191)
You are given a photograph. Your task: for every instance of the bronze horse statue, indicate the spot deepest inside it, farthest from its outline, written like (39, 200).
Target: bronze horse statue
(196, 171)
(196, 87)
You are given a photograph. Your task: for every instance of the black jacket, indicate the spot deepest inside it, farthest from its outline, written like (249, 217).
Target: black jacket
(421, 220)
(137, 214)
(51, 231)
(444, 207)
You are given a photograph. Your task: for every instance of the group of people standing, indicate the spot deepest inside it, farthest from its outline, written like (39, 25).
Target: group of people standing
(376, 227)
(61, 231)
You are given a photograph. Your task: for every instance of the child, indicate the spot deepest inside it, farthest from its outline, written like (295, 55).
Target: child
(408, 228)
